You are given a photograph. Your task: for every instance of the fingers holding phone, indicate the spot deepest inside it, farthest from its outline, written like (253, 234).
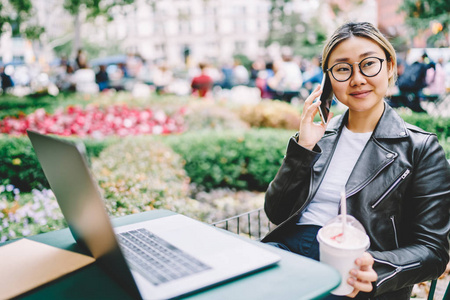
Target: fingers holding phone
(311, 106)
(319, 100)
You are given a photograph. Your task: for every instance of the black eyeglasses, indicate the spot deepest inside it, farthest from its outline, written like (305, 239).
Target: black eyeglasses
(369, 67)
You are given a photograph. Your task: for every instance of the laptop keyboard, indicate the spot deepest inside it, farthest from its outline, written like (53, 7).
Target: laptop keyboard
(155, 259)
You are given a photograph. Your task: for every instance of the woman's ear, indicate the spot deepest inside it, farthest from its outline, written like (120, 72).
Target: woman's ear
(390, 67)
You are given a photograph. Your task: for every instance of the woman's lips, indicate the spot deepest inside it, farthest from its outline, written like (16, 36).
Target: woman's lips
(360, 94)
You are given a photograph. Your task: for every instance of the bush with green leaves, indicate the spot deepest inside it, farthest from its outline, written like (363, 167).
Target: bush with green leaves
(270, 113)
(236, 159)
(142, 173)
(435, 124)
(139, 174)
(438, 125)
(446, 146)
(20, 167)
(201, 115)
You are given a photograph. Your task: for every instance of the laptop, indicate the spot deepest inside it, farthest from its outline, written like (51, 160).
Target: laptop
(157, 259)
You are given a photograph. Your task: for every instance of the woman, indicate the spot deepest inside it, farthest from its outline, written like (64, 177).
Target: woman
(395, 175)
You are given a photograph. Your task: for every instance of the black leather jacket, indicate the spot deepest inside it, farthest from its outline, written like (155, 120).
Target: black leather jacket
(399, 190)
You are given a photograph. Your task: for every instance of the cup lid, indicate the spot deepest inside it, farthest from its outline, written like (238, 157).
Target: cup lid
(351, 221)
(331, 233)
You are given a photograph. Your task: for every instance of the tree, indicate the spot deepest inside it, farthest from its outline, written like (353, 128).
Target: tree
(91, 9)
(287, 28)
(16, 13)
(429, 15)
(19, 15)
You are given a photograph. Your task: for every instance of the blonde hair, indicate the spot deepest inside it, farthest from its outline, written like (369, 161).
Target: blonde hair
(364, 30)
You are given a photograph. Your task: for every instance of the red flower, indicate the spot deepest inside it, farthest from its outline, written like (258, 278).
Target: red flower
(96, 122)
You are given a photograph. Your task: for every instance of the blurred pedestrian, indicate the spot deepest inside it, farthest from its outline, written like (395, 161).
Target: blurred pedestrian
(256, 67)
(162, 78)
(313, 74)
(262, 79)
(6, 80)
(66, 80)
(202, 84)
(81, 59)
(102, 78)
(227, 76)
(411, 83)
(288, 78)
(240, 74)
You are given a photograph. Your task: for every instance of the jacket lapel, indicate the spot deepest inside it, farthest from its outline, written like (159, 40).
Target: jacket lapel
(375, 157)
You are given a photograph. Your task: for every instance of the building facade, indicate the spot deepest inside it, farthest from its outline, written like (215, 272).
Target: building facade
(198, 30)
(190, 31)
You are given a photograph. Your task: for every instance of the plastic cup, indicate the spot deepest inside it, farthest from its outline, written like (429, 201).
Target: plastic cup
(341, 251)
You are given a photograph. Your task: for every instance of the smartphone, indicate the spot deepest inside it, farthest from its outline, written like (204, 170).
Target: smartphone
(326, 98)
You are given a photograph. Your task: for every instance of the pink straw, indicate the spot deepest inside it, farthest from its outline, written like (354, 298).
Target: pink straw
(343, 212)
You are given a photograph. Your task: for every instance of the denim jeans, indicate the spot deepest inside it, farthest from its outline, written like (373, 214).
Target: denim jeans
(301, 239)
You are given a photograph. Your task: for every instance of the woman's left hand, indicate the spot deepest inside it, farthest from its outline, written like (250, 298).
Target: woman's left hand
(362, 279)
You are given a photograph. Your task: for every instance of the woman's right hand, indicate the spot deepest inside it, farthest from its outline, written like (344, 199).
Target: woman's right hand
(309, 132)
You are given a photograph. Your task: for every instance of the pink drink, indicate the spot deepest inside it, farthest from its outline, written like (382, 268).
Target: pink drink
(341, 250)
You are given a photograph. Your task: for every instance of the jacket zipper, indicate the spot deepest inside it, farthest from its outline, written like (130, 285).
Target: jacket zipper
(395, 230)
(404, 175)
(398, 269)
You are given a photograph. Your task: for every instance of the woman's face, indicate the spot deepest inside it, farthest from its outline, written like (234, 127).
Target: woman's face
(360, 93)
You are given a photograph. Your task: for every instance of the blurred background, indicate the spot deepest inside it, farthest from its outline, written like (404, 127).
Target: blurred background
(45, 41)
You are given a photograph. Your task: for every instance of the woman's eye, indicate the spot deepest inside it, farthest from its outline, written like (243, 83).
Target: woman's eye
(368, 64)
(342, 69)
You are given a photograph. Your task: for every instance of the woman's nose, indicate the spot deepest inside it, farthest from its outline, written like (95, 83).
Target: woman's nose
(357, 77)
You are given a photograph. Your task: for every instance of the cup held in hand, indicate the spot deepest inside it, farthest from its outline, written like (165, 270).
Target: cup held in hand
(340, 250)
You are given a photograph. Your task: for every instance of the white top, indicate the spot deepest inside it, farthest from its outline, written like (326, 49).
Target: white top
(325, 204)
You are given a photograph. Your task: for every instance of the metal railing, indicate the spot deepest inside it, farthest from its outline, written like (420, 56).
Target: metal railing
(445, 293)
(253, 224)
(436, 105)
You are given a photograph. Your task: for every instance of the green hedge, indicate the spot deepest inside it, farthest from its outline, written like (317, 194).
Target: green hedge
(19, 165)
(242, 159)
(438, 125)
(237, 159)
(15, 106)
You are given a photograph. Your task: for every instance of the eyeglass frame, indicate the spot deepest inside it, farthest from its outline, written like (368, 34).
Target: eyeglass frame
(359, 66)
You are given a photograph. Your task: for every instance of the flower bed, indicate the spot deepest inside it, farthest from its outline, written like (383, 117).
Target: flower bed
(139, 174)
(95, 121)
(37, 212)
